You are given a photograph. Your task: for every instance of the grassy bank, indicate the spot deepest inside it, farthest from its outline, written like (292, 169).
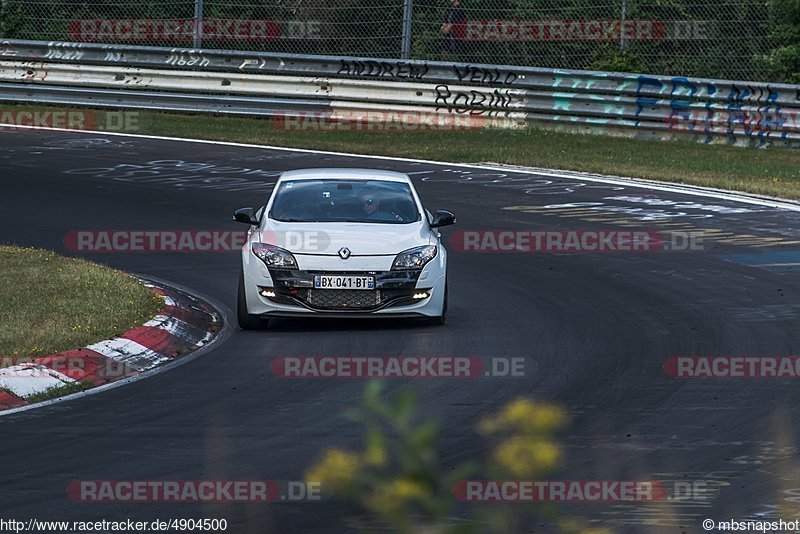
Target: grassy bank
(51, 304)
(773, 171)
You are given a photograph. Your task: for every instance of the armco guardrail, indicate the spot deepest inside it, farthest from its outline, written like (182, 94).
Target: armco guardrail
(496, 96)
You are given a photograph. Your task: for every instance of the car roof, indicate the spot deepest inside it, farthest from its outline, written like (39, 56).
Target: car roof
(344, 174)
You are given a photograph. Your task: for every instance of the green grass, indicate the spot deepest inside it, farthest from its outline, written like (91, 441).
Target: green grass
(58, 391)
(773, 171)
(51, 304)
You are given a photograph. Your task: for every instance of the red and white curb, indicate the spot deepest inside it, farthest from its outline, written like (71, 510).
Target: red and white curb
(183, 325)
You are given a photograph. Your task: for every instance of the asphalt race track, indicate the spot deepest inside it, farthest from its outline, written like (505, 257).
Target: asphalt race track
(595, 331)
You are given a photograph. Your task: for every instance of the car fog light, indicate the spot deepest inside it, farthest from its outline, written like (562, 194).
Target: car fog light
(267, 293)
(420, 295)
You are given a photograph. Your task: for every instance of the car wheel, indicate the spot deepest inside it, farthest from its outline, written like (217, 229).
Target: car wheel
(437, 320)
(247, 321)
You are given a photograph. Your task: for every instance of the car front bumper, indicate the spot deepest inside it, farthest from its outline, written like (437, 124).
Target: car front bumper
(291, 293)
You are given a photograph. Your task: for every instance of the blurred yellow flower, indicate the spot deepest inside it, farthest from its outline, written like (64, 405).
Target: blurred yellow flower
(393, 496)
(336, 470)
(526, 457)
(375, 455)
(571, 525)
(525, 416)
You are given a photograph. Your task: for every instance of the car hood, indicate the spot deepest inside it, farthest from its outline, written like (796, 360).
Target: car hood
(362, 239)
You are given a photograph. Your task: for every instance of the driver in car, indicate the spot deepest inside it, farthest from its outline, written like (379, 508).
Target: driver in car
(372, 209)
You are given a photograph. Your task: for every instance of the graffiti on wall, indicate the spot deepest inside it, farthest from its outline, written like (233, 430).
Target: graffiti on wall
(398, 70)
(476, 101)
(473, 74)
(709, 108)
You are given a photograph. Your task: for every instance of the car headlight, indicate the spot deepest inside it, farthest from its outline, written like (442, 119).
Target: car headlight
(414, 258)
(273, 256)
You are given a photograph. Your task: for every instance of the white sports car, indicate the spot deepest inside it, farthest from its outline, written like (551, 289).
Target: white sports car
(342, 243)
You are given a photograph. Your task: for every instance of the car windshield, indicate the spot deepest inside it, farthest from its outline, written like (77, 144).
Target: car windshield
(362, 201)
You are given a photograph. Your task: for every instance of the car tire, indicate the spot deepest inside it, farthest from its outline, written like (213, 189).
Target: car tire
(438, 320)
(246, 320)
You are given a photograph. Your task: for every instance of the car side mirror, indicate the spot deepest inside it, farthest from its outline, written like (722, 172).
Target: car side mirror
(246, 216)
(442, 218)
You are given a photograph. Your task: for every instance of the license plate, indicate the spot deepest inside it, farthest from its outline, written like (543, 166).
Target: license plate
(344, 282)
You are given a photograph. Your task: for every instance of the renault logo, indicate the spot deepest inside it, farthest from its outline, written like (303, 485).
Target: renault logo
(344, 253)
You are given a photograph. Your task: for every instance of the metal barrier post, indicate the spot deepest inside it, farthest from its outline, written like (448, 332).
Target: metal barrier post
(198, 24)
(623, 17)
(408, 13)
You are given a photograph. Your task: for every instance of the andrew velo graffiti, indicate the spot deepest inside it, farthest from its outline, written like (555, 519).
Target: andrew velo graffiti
(472, 74)
(399, 70)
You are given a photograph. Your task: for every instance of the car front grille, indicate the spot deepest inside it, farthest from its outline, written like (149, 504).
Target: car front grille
(346, 299)
(343, 299)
